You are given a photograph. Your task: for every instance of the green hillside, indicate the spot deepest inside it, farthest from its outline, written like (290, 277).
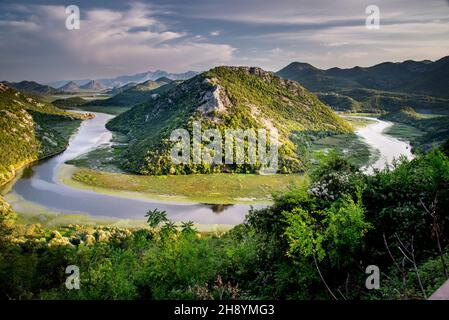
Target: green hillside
(340, 102)
(30, 130)
(136, 94)
(32, 88)
(224, 98)
(404, 115)
(116, 90)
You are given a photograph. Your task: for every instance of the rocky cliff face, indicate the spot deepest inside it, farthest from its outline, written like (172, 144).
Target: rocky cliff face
(214, 100)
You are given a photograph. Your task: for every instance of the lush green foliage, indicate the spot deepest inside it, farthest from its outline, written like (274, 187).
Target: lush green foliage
(327, 233)
(156, 217)
(403, 283)
(314, 242)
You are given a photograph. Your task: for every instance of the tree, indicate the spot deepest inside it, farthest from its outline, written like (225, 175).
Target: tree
(188, 227)
(334, 233)
(168, 229)
(156, 217)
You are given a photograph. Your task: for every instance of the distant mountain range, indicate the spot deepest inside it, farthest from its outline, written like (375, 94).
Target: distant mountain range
(423, 85)
(125, 79)
(417, 77)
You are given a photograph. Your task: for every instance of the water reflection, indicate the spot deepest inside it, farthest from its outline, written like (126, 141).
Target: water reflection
(27, 172)
(218, 208)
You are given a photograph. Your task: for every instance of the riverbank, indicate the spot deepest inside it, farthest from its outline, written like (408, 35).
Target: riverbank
(9, 176)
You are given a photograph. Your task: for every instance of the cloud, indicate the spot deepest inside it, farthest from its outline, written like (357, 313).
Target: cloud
(349, 45)
(24, 25)
(109, 42)
(177, 35)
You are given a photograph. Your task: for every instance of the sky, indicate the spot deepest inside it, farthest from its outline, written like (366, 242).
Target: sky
(127, 37)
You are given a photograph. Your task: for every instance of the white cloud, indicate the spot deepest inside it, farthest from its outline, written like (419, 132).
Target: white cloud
(110, 42)
(21, 25)
(347, 46)
(179, 35)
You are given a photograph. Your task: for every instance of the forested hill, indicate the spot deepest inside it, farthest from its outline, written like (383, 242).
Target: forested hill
(224, 97)
(30, 130)
(136, 94)
(32, 88)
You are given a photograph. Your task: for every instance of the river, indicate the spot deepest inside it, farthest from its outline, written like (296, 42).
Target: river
(39, 184)
(389, 148)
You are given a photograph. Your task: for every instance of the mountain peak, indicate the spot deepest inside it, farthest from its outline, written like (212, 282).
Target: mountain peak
(70, 87)
(300, 66)
(93, 85)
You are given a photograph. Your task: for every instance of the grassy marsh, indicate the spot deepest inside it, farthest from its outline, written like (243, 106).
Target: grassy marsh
(213, 189)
